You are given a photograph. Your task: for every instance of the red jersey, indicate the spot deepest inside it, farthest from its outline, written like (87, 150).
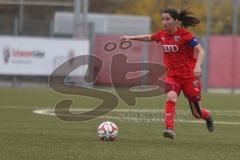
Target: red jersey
(178, 51)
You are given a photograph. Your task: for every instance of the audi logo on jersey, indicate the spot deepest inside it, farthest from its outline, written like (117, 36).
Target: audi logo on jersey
(170, 48)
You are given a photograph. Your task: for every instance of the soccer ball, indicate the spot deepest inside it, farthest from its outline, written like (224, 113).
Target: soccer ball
(107, 131)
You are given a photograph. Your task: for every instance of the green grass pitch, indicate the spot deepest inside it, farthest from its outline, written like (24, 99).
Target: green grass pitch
(25, 135)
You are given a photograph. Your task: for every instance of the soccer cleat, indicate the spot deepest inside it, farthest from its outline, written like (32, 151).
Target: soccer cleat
(210, 124)
(169, 133)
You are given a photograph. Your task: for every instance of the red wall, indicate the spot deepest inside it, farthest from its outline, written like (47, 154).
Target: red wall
(223, 59)
(224, 62)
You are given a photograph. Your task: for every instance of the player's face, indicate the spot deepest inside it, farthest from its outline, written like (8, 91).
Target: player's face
(168, 22)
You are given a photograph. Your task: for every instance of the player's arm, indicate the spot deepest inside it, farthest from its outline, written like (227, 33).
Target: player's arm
(146, 37)
(200, 58)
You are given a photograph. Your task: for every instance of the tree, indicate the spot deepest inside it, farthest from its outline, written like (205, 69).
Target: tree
(221, 12)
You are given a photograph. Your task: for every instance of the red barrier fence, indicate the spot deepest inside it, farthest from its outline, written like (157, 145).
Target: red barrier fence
(223, 59)
(224, 62)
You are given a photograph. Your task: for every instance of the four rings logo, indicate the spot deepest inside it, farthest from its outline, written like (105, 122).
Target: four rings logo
(170, 48)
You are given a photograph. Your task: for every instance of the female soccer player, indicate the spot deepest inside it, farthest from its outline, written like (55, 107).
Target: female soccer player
(184, 70)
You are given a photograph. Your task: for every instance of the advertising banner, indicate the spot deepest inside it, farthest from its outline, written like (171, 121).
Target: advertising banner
(38, 56)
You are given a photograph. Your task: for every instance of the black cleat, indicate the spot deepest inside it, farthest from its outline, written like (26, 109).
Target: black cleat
(169, 133)
(210, 124)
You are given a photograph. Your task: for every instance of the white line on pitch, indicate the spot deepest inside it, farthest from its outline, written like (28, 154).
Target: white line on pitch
(51, 113)
(217, 112)
(144, 110)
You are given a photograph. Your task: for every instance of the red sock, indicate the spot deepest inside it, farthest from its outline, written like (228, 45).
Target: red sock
(205, 113)
(170, 113)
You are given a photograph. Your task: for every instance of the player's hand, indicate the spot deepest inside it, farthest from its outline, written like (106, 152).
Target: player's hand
(197, 72)
(124, 38)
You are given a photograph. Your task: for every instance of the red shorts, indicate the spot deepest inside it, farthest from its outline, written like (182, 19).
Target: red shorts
(191, 87)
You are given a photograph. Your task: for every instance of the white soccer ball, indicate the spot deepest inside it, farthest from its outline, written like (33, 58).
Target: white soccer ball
(107, 131)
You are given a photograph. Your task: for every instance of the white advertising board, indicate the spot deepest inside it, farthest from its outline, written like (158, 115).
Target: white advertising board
(37, 56)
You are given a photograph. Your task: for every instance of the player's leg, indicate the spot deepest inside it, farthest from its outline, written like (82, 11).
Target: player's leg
(170, 109)
(192, 90)
(200, 112)
(170, 113)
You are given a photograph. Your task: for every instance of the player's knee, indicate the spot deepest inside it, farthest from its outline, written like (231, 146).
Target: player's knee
(195, 107)
(196, 115)
(172, 96)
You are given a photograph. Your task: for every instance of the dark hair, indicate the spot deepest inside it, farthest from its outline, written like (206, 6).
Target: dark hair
(184, 16)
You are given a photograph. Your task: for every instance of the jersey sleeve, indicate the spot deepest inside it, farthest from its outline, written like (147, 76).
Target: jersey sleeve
(190, 39)
(156, 37)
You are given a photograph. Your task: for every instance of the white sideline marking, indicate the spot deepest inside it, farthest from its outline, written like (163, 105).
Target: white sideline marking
(223, 91)
(217, 112)
(131, 110)
(51, 113)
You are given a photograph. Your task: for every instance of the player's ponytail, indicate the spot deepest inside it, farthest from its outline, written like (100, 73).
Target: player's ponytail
(187, 19)
(184, 16)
